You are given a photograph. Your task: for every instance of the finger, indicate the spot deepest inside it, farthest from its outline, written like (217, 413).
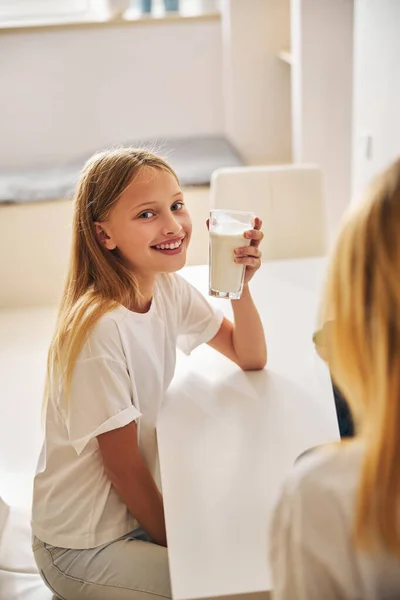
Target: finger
(249, 261)
(208, 223)
(248, 251)
(257, 223)
(255, 236)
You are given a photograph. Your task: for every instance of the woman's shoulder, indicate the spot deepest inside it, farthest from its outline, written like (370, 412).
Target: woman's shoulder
(333, 470)
(318, 497)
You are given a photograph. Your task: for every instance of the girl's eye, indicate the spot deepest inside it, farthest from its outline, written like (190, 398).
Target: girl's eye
(177, 206)
(147, 214)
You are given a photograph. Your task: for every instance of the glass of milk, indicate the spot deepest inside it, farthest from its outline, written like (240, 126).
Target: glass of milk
(226, 233)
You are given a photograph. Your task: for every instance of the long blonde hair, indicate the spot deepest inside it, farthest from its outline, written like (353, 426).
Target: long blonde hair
(363, 297)
(98, 279)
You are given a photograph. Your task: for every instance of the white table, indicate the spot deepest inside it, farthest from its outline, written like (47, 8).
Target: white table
(227, 438)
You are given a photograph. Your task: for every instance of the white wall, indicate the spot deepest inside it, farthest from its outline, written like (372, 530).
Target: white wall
(256, 82)
(322, 84)
(376, 88)
(67, 92)
(64, 93)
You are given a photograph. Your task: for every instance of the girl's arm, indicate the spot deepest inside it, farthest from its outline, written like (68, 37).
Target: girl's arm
(243, 341)
(131, 478)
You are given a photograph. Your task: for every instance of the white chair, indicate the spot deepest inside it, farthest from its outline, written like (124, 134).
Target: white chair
(289, 200)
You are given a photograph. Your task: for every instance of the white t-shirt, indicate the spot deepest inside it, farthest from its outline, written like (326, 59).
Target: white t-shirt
(312, 554)
(121, 375)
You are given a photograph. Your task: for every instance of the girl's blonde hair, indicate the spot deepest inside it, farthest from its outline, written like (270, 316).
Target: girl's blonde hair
(98, 280)
(363, 297)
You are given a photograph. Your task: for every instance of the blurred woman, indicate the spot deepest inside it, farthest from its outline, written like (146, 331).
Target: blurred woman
(336, 530)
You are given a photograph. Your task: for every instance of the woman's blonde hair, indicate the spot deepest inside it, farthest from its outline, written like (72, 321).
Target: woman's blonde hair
(98, 280)
(363, 297)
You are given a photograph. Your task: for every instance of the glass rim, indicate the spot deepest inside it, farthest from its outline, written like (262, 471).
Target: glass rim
(232, 212)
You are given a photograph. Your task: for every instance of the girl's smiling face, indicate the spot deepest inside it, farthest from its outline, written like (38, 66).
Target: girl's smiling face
(149, 224)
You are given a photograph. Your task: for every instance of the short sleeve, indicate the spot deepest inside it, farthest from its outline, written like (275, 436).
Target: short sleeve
(199, 321)
(101, 397)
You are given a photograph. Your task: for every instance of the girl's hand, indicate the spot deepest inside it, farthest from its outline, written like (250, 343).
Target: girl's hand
(251, 255)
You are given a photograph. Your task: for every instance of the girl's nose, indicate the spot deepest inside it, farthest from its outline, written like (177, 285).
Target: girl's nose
(171, 226)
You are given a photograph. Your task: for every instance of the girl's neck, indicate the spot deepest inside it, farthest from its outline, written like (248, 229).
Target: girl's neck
(146, 289)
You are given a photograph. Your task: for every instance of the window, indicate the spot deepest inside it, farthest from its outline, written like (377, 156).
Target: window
(43, 11)
(186, 7)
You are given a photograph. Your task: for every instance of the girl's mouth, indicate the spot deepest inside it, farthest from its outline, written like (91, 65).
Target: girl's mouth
(169, 248)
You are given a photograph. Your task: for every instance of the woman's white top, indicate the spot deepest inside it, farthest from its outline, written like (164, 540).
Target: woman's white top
(312, 554)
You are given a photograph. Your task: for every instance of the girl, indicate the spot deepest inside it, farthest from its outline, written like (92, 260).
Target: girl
(336, 532)
(98, 519)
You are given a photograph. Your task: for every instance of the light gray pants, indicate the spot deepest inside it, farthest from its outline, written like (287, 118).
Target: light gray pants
(126, 569)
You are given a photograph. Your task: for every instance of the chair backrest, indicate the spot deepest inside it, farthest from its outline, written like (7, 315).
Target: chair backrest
(289, 200)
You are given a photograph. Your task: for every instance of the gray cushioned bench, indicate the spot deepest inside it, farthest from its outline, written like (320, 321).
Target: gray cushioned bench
(194, 160)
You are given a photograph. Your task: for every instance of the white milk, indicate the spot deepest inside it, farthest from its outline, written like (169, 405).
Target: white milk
(225, 274)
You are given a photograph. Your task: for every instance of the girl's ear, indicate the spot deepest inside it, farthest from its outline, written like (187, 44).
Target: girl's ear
(104, 236)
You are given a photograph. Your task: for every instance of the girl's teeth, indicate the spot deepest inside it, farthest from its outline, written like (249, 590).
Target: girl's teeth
(170, 246)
